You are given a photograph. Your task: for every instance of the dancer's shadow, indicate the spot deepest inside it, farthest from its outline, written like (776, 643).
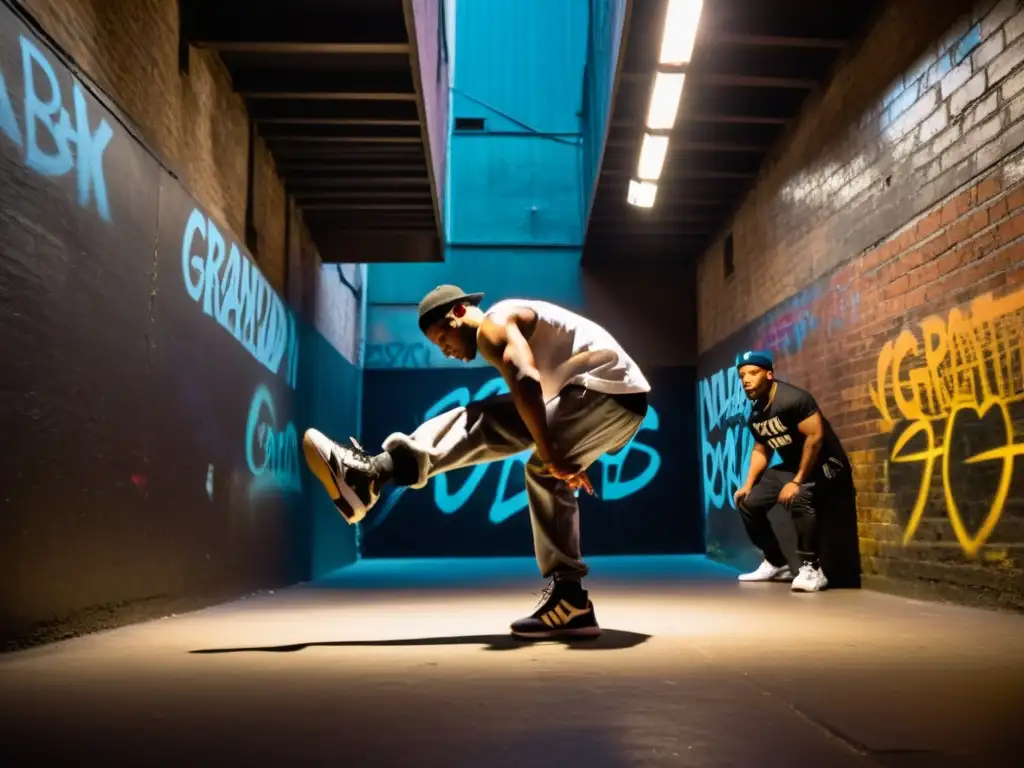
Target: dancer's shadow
(610, 639)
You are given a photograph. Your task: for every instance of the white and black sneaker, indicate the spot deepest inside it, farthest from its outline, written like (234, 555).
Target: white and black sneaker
(351, 476)
(768, 572)
(810, 579)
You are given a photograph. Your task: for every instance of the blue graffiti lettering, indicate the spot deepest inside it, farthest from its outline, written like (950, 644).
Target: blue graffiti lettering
(398, 354)
(726, 441)
(8, 122)
(786, 328)
(74, 143)
(236, 294)
(612, 485)
(272, 454)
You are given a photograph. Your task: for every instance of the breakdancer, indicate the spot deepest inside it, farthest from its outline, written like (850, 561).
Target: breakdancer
(574, 394)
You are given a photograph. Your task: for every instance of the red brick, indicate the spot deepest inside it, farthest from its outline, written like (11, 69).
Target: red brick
(1011, 228)
(1015, 276)
(956, 207)
(998, 210)
(906, 240)
(929, 224)
(989, 187)
(977, 221)
(1015, 199)
(949, 262)
(911, 259)
(916, 297)
(935, 246)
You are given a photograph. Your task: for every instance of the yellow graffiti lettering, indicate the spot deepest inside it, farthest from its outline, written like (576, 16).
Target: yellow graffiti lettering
(1005, 453)
(909, 406)
(966, 367)
(878, 390)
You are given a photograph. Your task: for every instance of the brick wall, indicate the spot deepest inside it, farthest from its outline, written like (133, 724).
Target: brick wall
(885, 266)
(194, 122)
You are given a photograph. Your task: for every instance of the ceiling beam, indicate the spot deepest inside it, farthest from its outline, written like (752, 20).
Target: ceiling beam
(338, 121)
(287, 131)
(361, 206)
(335, 195)
(300, 186)
(255, 28)
(289, 152)
(710, 117)
(677, 200)
(299, 109)
(684, 173)
(682, 145)
(341, 246)
(775, 41)
(328, 170)
(368, 139)
(728, 80)
(324, 85)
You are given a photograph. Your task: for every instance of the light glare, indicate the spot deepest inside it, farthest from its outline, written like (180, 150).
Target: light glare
(668, 88)
(652, 157)
(680, 32)
(641, 193)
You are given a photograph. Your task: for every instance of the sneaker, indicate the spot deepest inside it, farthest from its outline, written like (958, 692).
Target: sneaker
(768, 572)
(565, 610)
(349, 475)
(810, 579)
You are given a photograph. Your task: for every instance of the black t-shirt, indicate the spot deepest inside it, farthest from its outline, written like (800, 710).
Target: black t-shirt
(775, 426)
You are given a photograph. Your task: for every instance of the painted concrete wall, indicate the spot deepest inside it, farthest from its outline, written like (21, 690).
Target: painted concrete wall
(155, 382)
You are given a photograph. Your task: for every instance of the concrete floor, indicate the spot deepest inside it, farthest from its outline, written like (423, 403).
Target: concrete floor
(407, 663)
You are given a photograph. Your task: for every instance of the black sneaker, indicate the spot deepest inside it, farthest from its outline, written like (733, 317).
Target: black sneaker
(565, 611)
(349, 475)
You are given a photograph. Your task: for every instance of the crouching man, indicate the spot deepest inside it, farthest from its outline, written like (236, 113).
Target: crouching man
(786, 420)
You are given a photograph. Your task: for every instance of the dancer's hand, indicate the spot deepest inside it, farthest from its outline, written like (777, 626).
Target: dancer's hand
(574, 478)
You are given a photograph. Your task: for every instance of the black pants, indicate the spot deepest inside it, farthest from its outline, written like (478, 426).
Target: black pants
(804, 508)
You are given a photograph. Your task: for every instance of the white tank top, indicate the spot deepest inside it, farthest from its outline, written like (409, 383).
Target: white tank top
(570, 349)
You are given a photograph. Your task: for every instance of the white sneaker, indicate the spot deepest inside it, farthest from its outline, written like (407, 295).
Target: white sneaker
(768, 572)
(810, 579)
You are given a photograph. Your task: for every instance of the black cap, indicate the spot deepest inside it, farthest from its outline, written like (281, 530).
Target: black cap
(439, 301)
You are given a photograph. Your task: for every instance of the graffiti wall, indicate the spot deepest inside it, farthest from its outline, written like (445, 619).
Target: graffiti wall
(155, 385)
(645, 493)
(950, 398)
(725, 447)
(914, 351)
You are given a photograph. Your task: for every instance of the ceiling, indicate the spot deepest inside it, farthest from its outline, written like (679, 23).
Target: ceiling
(331, 87)
(753, 65)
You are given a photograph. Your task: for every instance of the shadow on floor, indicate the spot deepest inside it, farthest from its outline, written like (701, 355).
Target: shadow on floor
(610, 639)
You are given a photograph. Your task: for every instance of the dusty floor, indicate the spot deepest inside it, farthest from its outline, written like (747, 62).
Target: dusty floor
(408, 663)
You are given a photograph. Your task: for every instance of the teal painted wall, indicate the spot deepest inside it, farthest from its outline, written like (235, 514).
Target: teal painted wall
(393, 338)
(520, 69)
(515, 191)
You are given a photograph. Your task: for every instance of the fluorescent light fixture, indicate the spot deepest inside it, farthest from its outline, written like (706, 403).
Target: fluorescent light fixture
(668, 88)
(652, 157)
(681, 20)
(641, 193)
